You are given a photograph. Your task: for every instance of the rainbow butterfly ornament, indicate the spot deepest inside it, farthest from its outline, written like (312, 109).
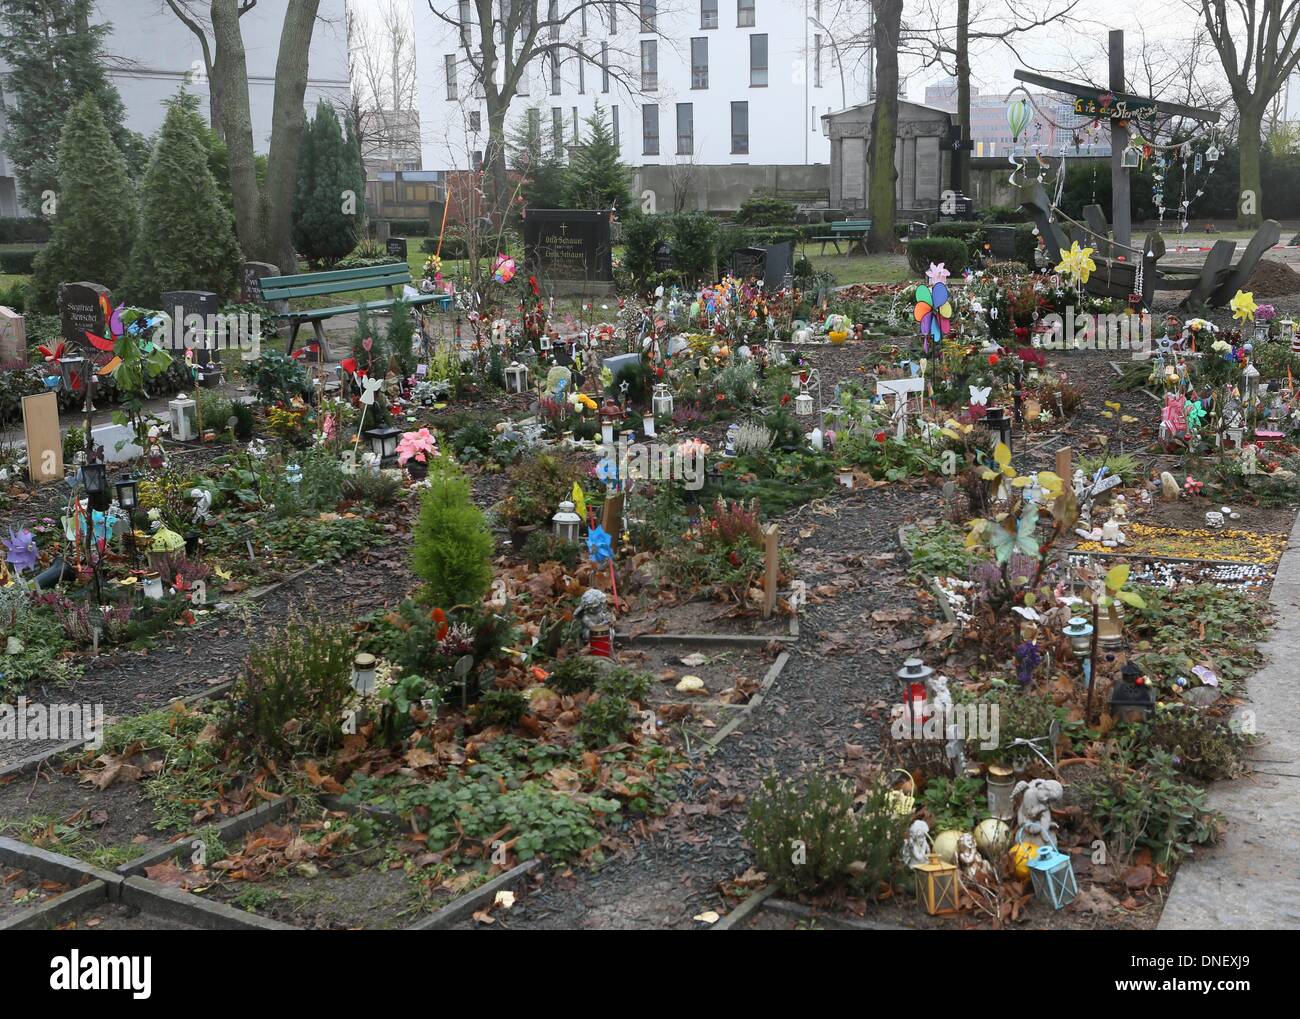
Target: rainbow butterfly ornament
(933, 312)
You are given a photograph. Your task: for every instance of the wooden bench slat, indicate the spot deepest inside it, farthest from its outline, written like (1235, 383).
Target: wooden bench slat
(336, 275)
(320, 289)
(319, 314)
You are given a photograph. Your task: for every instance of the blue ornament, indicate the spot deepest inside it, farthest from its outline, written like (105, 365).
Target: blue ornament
(599, 545)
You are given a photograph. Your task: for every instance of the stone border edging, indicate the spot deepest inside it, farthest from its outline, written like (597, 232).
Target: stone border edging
(240, 824)
(745, 910)
(59, 908)
(156, 899)
(772, 673)
(802, 912)
(459, 908)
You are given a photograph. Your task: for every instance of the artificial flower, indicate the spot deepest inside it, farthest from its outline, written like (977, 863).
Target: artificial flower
(1243, 306)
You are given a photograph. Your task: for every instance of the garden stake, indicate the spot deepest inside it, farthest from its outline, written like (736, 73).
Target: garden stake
(1092, 658)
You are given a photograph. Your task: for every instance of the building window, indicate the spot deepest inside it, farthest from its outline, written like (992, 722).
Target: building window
(466, 20)
(553, 16)
(576, 137)
(555, 73)
(685, 129)
(649, 65)
(582, 70)
(817, 61)
(648, 15)
(613, 120)
(740, 128)
(604, 67)
(708, 13)
(745, 13)
(475, 121)
(476, 160)
(700, 62)
(758, 61)
(557, 130)
(534, 126)
(650, 130)
(613, 16)
(449, 61)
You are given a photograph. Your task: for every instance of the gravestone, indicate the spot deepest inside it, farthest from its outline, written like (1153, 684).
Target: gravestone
(251, 276)
(664, 261)
(13, 338)
(569, 249)
(179, 306)
(768, 263)
(80, 311)
(396, 246)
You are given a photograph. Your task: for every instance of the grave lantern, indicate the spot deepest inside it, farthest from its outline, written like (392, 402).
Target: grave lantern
(1079, 632)
(128, 495)
(663, 401)
(151, 584)
(998, 420)
(937, 887)
(1132, 699)
(383, 441)
(648, 424)
(912, 677)
(1251, 377)
(293, 474)
(94, 476)
(1212, 153)
(1130, 159)
(1261, 331)
(610, 414)
(566, 522)
(1053, 877)
(803, 404)
(363, 674)
(1286, 331)
(1000, 781)
(517, 378)
(184, 418)
(71, 368)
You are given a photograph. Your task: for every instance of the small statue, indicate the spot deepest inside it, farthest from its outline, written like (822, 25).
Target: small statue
(1119, 509)
(916, 847)
(940, 697)
(202, 504)
(975, 870)
(593, 610)
(1213, 520)
(1034, 815)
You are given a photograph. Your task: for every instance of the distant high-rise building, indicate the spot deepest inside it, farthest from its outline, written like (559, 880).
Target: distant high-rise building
(1055, 130)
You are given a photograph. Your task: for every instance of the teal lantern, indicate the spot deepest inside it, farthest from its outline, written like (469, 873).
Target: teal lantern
(1053, 877)
(1019, 114)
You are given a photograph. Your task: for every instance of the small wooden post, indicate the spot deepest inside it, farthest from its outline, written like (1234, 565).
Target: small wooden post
(611, 516)
(772, 572)
(1065, 464)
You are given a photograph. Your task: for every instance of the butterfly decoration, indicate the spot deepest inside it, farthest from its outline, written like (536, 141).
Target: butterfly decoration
(579, 501)
(600, 545)
(1007, 538)
(1195, 413)
(313, 348)
(979, 397)
(933, 312)
(503, 269)
(55, 358)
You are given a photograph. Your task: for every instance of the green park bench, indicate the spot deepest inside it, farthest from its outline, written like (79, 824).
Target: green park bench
(854, 231)
(340, 281)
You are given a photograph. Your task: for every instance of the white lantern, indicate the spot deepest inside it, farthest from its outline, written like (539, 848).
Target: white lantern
(1130, 158)
(803, 404)
(566, 522)
(517, 377)
(153, 588)
(363, 674)
(648, 424)
(663, 401)
(184, 418)
(1287, 330)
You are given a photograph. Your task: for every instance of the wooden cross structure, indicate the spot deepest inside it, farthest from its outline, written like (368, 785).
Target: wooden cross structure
(1119, 107)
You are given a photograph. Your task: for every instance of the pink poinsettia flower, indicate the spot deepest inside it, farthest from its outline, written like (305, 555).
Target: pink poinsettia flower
(418, 445)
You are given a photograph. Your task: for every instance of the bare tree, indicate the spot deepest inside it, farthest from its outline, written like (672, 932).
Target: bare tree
(887, 34)
(505, 38)
(193, 17)
(1269, 31)
(381, 52)
(263, 214)
(945, 34)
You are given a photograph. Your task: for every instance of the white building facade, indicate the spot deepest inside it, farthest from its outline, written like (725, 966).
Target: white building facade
(708, 82)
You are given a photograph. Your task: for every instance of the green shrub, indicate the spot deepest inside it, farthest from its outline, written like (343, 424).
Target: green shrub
(500, 707)
(382, 489)
(293, 692)
(23, 229)
(545, 547)
(276, 377)
(472, 441)
(537, 487)
(624, 682)
(1026, 244)
(971, 231)
(606, 720)
(806, 834)
(575, 674)
(1202, 746)
(761, 210)
(949, 250)
(328, 166)
(453, 546)
(17, 261)
(938, 551)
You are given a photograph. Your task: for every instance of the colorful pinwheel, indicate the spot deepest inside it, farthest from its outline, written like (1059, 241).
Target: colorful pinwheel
(1243, 306)
(599, 545)
(933, 312)
(20, 549)
(503, 269)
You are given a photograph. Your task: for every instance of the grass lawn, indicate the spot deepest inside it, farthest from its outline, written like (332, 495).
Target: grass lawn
(862, 268)
(9, 281)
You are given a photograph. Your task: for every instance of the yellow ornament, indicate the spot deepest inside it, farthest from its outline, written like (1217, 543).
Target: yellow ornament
(1021, 854)
(1243, 306)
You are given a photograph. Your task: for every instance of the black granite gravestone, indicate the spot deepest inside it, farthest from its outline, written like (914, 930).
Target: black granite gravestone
(396, 246)
(567, 246)
(193, 325)
(80, 312)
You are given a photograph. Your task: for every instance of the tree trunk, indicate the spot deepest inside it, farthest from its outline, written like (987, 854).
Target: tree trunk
(1249, 213)
(495, 172)
(288, 121)
(963, 93)
(884, 125)
(230, 68)
(214, 101)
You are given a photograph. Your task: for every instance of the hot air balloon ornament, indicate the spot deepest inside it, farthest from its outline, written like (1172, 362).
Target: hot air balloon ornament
(1019, 114)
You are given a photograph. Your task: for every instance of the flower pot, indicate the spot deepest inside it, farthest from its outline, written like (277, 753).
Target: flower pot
(417, 469)
(57, 572)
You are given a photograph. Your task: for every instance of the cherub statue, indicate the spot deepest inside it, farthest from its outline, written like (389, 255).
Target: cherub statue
(1034, 815)
(202, 504)
(916, 847)
(940, 697)
(975, 870)
(593, 609)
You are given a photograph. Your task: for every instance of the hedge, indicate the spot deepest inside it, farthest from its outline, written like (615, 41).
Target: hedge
(408, 227)
(1026, 244)
(17, 261)
(949, 250)
(27, 230)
